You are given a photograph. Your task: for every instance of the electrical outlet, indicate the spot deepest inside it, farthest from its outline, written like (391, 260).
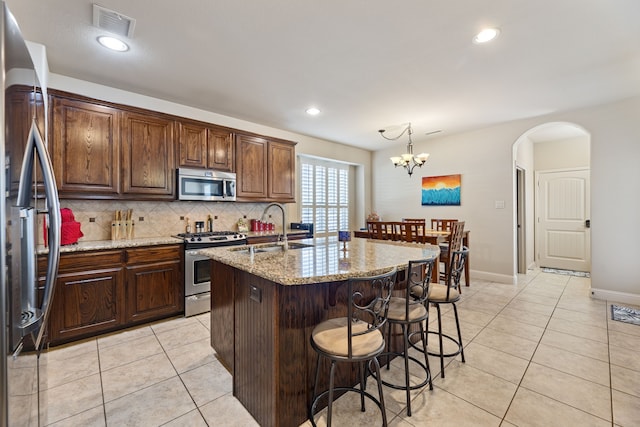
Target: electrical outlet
(255, 294)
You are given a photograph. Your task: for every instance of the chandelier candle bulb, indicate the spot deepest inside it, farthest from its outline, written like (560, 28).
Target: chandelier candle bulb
(407, 160)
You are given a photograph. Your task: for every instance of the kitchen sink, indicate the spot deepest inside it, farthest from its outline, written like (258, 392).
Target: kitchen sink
(273, 247)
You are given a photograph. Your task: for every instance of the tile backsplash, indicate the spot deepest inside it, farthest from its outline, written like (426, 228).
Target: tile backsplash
(158, 219)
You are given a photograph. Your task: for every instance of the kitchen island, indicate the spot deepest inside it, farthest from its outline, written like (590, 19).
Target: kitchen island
(266, 302)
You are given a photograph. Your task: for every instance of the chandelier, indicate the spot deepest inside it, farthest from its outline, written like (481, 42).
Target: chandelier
(407, 160)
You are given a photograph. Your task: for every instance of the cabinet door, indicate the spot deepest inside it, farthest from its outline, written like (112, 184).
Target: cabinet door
(89, 295)
(251, 167)
(21, 103)
(192, 148)
(147, 145)
(85, 148)
(282, 171)
(155, 283)
(221, 150)
(86, 303)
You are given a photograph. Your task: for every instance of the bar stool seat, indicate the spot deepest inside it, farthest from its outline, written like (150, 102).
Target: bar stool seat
(329, 335)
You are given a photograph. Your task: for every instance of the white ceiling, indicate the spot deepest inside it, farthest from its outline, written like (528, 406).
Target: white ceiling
(366, 64)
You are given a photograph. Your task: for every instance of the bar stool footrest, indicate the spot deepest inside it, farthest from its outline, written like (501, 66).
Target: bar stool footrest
(401, 387)
(450, 338)
(340, 389)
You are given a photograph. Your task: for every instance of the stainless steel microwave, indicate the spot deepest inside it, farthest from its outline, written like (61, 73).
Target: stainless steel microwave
(206, 185)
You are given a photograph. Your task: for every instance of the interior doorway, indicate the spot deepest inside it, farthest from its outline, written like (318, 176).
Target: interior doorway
(549, 147)
(521, 207)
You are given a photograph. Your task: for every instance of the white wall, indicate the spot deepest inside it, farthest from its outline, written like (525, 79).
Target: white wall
(484, 158)
(562, 154)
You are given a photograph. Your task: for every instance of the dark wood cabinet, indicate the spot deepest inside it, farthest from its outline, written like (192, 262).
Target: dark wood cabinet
(282, 171)
(153, 275)
(89, 295)
(147, 156)
(265, 169)
(251, 167)
(104, 150)
(21, 103)
(85, 149)
(102, 291)
(205, 146)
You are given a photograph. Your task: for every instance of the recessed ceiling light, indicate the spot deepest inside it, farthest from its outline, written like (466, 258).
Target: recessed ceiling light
(486, 35)
(113, 43)
(313, 111)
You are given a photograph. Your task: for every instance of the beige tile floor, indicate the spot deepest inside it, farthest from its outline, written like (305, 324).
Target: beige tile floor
(542, 353)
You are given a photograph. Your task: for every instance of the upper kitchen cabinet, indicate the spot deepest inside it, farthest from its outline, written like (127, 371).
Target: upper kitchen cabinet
(85, 148)
(21, 102)
(205, 146)
(265, 169)
(147, 156)
(282, 171)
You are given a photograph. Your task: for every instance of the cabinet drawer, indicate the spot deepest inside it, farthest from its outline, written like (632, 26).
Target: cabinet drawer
(83, 261)
(153, 254)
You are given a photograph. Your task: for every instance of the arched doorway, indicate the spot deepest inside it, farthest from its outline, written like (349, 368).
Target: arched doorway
(551, 150)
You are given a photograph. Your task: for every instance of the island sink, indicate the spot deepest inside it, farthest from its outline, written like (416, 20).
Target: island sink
(271, 247)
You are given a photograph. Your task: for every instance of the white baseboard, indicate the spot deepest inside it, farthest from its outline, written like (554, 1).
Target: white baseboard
(615, 296)
(492, 277)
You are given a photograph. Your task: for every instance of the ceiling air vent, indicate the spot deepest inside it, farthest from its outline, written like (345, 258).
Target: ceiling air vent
(112, 21)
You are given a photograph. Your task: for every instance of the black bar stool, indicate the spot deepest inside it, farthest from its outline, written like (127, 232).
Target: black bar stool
(410, 310)
(355, 338)
(448, 294)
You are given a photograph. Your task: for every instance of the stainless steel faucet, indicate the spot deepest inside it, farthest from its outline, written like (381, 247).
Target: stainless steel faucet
(284, 222)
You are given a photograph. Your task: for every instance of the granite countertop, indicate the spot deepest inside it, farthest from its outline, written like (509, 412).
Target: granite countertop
(324, 261)
(96, 245)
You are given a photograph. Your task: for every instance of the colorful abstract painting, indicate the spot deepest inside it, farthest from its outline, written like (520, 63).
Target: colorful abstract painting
(441, 190)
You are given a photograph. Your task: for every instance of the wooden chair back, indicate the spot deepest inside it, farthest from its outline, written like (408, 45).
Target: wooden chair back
(376, 230)
(412, 232)
(442, 224)
(455, 238)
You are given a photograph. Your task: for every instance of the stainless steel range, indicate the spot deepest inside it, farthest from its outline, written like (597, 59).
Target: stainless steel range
(197, 268)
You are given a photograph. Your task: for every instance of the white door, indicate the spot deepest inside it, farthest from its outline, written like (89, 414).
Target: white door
(564, 238)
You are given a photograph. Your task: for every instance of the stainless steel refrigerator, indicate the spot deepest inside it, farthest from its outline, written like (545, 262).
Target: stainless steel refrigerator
(28, 197)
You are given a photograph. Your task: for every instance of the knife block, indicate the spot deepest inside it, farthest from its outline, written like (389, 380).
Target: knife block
(122, 229)
(116, 230)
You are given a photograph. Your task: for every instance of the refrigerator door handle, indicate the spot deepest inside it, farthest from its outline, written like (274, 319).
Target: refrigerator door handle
(36, 148)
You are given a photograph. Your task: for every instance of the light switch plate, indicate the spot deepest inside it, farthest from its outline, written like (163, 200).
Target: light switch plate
(499, 204)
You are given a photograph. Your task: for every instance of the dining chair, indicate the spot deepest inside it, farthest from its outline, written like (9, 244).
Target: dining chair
(411, 232)
(454, 242)
(356, 338)
(376, 230)
(448, 293)
(406, 311)
(442, 224)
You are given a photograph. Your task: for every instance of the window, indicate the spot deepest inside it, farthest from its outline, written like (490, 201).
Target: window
(324, 195)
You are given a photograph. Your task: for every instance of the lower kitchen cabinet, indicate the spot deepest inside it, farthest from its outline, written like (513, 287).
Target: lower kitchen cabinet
(152, 274)
(88, 298)
(102, 291)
